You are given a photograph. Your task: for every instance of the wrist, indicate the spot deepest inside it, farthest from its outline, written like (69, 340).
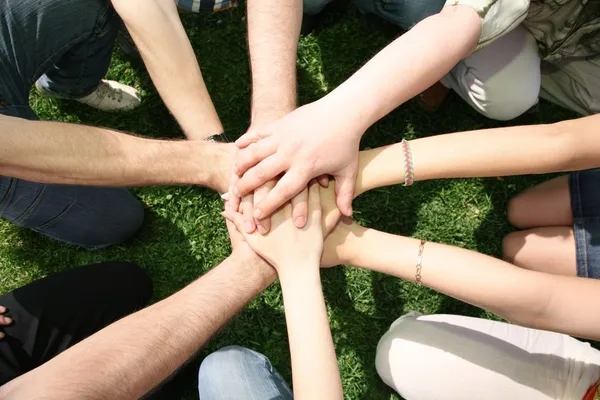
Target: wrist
(299, 274)
(253, 264)
(354, 115)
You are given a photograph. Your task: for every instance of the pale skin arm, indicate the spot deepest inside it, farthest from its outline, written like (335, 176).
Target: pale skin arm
(551, 302)
(314, 365)
(51, 152)
(132, 356)
(157, 30)
(538, 149)
(295, 254)
(407, 66)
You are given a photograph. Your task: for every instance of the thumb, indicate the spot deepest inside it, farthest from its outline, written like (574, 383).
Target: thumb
(344, 191)
(236, 219)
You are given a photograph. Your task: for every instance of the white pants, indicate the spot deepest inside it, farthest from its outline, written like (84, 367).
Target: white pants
(442, 357)
(506, 78)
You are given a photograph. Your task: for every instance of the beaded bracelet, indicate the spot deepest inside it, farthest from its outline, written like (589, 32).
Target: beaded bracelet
(409, 168)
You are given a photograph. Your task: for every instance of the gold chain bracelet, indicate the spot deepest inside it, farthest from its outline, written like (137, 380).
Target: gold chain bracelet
(420, 262)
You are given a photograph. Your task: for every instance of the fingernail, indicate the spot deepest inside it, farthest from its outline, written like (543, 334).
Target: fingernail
(257, 214)
(225, 196)
(8, 320)
(261, 229)
(300, 221)
(2, 309)
(249, 227)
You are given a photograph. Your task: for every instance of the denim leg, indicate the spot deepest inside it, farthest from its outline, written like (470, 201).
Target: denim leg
(234, 373)
(404, 13)
(89, 217)
(70, 41)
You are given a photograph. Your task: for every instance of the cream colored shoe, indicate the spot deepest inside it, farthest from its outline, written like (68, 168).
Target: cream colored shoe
(112, 96)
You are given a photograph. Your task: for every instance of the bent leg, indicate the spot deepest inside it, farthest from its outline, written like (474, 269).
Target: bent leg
(488, 360)
(235, 372)
(90, 217)
(52, 314)
(502, 80)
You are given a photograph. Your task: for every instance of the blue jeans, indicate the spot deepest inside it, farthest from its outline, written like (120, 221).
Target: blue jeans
(404, 13)
(234, 373)
(66, 46)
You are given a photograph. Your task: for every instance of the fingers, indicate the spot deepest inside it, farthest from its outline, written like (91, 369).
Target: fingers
(344, 192)
(314, 202)
(253, 154)
(252, 136)
(4, 321)
(300, 208)
(323, 180)
(233, 201)
(247, 210)
(236, 218)
(288, 186)
(263, 225)
(260, 174)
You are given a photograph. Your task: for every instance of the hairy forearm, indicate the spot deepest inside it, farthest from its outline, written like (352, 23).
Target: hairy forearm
(51, 152)
(157, 31)
(521, 296)
(273, 31)
(520, 150)
(130, 357)
(406, 67)
(314, 364)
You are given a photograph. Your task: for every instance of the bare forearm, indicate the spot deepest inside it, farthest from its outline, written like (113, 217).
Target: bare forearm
(407, 66)
(314, 364)
(131, 356)
(525, 297)
(273, 31)
(520, 150)
(51, 152)
(157, 31)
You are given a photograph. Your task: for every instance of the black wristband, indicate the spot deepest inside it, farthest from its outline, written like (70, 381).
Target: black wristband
(218, 138)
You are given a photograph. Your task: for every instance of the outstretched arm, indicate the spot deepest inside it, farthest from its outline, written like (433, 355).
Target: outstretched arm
(51, 152)
(551, 302)
(156, 28)
(130, 357)
(538, 149)
(295, 253)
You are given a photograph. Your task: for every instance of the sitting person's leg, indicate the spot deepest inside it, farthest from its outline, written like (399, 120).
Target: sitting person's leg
(456, 357)
(501, 81)
(573, 84)
(65, 45)
(89, 217)
(56, 312)
(403, 13)
(562, 218)
(235, 372)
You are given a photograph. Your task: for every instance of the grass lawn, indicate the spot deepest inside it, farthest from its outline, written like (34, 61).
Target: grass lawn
(184, 235)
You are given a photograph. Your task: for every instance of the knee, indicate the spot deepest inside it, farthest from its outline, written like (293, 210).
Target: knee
(510, 106)
(511, 244)
(390, 350)
(517, 211)
(123, 224)
(220, 372)
(219, 366)
(312, 7)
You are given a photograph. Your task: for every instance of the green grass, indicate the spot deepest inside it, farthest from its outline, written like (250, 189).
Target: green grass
(184, 235)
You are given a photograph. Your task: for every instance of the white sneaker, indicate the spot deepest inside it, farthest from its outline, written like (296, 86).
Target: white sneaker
(108, 96)
(112, 96)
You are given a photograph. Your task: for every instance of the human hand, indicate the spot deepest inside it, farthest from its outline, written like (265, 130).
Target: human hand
(285, 246)
(4, 321)
(303, 145)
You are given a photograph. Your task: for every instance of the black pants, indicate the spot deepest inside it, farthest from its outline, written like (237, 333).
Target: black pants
(54, 313)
